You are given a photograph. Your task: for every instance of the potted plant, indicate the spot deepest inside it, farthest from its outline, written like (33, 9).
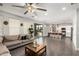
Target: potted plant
(31, 30)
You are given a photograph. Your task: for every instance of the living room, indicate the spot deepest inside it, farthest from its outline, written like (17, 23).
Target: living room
(14, 27)
(22, 31)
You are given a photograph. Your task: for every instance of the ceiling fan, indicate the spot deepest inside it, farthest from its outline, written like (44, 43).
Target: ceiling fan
(30, 7)
(73, 3)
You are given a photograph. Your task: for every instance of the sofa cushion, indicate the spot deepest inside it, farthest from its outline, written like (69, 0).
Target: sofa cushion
(10, 43)
(24, 37)
(12, 37)
(19, 37)
(1, 39)
(25, 41)
(3, 49)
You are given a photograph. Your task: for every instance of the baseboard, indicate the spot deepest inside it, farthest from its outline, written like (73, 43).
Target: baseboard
(68, 37)
(45, 36)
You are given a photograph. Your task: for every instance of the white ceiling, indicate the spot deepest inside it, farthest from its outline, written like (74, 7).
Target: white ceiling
(54, 10)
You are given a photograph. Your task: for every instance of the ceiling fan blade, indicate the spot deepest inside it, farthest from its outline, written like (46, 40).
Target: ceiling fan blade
(73, 3)
(1, 4)
(41, 9)
(26, 4)
(36, 3)
(30, 3)
(18, 6)
(26, 12)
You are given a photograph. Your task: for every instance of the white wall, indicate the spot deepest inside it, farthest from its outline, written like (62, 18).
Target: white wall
(68, 29)
(24, 28)
(13, 27)
(1, 29)
(45, 30)
(74, 32)
(77, 28)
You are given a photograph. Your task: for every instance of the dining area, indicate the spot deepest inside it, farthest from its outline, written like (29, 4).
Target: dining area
(59, 31)
(55, 35)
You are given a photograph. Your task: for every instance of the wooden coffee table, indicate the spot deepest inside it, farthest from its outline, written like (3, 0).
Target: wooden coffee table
(40, 50)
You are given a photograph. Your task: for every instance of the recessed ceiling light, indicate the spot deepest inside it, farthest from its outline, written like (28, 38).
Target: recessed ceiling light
(64, 8)
(35, 16)
(45, 13)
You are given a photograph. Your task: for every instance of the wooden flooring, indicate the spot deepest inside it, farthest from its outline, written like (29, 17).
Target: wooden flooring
(55, 47)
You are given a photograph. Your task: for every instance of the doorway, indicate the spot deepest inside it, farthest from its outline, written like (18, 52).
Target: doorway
(38, 29)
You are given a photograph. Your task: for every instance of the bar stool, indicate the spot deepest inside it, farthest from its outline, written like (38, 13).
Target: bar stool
(57, 35)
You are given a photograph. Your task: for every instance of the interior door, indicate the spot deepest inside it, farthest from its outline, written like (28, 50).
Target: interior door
(71, 33)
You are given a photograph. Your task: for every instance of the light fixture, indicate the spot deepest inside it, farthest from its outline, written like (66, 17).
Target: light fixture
(45, 13)
(64, 8)
(44, 25)
(35, 16)
(29, 9)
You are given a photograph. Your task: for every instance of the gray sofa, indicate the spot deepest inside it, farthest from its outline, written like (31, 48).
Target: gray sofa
(3, 49)
(11, 42)
(15, 41)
